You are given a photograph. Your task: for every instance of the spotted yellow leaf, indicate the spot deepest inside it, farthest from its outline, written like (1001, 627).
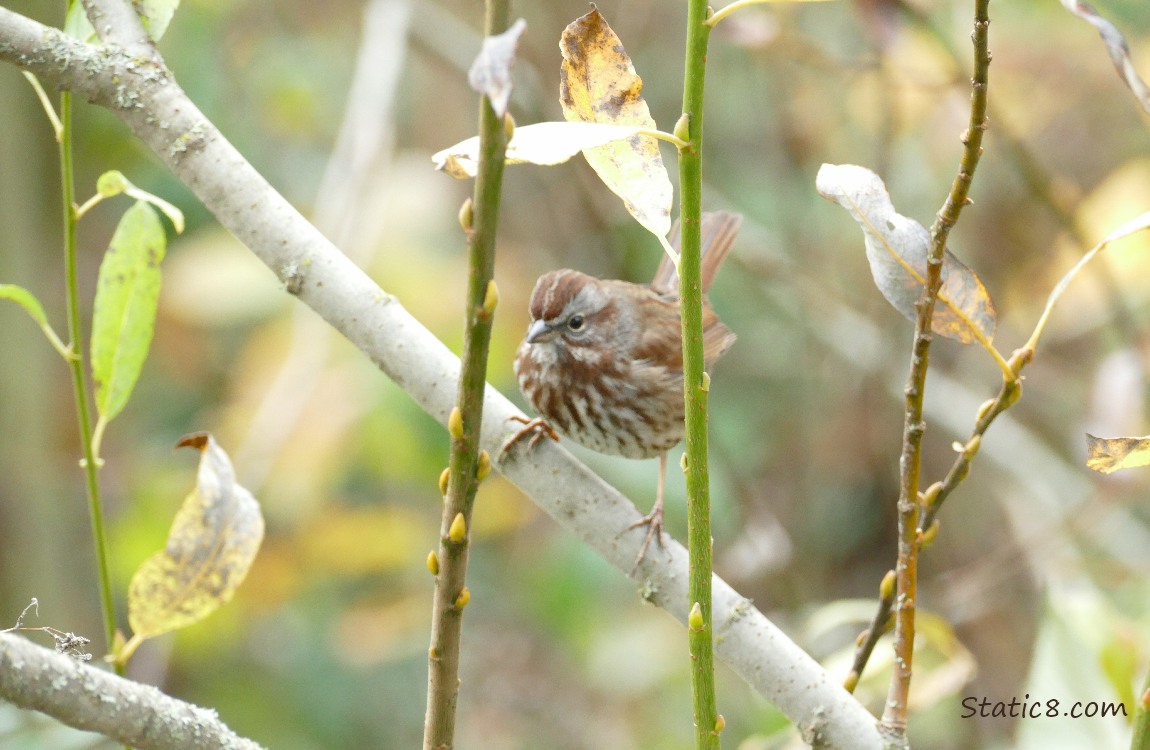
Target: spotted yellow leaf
(213, 540)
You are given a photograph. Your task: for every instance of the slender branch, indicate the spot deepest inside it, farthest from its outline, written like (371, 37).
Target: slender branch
(700, 630)
(148, 100)
(906, 572)
(466, 470)
(76, 365)
(92, 699)
(880, 624)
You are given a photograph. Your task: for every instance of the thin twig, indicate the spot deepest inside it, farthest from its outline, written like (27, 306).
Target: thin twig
(906, 571)
(468, 463)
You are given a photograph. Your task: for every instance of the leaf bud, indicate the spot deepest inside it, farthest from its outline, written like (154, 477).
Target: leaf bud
(695, 618)
(466, 215)
(463, 598)
(443, 477)
(970, 450)
(851, 682)
(930, 497)
(490, 300)
(455, 423)
(433, 562)
(706, 386)
(458, 531)
(484, 466)
(720, 725)
(928, 536)
(682, 129)
(886, 588)
(509, 126)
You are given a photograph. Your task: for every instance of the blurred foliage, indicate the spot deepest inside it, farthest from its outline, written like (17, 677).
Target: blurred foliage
(329, 633)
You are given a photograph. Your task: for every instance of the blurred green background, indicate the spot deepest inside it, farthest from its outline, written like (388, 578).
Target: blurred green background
(1036, 586)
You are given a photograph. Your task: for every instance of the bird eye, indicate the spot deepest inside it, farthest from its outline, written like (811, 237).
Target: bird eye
(575, 323)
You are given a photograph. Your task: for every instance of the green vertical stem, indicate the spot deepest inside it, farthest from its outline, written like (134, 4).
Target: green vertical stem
(1141, 738)
(700, 634)
(451, 595)
(80, 388)
(906, 572)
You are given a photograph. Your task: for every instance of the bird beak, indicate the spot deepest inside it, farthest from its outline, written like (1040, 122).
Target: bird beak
(539, 331)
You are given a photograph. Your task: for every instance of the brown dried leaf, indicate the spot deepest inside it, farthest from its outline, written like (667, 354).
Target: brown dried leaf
(490, 74)
(1107, 455)
(598, 83)
(896, 249)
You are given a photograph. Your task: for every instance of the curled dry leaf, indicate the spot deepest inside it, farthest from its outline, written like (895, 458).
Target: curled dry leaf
(490, 74)
(544, 143)
(1107, 455)
(213, 541)
(1116, 47)
(896, 249)
(598, 83)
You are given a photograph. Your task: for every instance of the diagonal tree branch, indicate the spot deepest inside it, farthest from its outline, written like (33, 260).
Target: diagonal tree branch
(95, 700)
(144, 94)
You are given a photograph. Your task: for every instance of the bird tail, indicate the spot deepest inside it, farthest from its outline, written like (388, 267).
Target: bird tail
(718, 229)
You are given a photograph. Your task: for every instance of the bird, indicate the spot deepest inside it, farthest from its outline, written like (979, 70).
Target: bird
(602, 360)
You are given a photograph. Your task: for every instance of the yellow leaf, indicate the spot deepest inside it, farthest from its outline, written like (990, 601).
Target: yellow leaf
(1107, 455)
(598, 83)
(214, 538)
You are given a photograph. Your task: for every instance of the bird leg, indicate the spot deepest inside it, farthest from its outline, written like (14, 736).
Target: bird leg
(537, 428)
(653, 520)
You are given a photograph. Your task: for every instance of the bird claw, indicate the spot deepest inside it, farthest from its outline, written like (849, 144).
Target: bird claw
(654, 523)
(537, 427)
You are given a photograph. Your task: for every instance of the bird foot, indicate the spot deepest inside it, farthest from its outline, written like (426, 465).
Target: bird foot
(654, 523)
(537, 428)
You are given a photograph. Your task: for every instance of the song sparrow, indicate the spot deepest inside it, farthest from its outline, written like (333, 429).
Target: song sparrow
(602, 362)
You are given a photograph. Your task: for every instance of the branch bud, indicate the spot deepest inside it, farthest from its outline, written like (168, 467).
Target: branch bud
(455, 423)
(467, 215)
(886, 588)
(490, 300)
(458, 531)
(695, 618)
(682, 129)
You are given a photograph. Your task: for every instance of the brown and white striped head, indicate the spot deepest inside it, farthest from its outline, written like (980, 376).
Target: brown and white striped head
(572, 310)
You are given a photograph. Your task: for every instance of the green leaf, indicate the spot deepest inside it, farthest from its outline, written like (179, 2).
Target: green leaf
(896, 249)
(213, 541)
(127, 292)
(31, 304)
(157, 14)
(27, 300)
